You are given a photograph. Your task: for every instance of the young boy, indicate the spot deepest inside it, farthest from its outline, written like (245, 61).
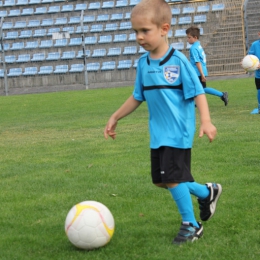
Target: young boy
(198, 61)
(255, 50)
(168, 83)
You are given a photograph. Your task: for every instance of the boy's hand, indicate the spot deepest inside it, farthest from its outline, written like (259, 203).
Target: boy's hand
(209, 129)
(110, 128)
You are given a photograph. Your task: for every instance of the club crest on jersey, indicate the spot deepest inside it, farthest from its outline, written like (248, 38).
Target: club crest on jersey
(171, 73)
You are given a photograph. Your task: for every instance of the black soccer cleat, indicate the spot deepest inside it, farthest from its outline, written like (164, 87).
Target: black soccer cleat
(225, 98)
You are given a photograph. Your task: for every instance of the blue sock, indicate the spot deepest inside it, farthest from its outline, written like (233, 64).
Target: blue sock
(258, 97)
(182, 197)
(213, 91)
(199, 190)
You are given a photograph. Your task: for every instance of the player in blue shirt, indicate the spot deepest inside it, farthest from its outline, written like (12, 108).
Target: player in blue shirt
(167, 82)
(255, 50)
(198, 61)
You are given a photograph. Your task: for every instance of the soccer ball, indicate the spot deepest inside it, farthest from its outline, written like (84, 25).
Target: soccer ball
(89, 225)
(250, 63)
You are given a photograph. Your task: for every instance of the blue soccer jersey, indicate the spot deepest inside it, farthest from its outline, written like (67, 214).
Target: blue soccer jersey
(255, 50)
(169, 86)
(197, 54)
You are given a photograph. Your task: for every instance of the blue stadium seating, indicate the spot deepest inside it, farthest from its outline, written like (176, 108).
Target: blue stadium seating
(23, 58)
(60, 69)
(13, 13)
(20, 25)
(108, 65)
(102, 18)
(80, 54)
(52, 30)
(45, 70)
(7, 25)
(96, 28)
(54, 9)
(114, 51)
(40, 33)
(95, 66)
(40, 10)
(69, 29)
(61, 21)
(89, 18)
(3, 13)
(178, 45)
(130, 50)
(94, 6)
(17, 46)
(11, 35)
(1, 73)
(203, 9)
(47, 22)
(173, 21)
(218, 7)
(32, 45)
(188, 10)
(132, 37)
(115, 17)
(22, 2)
(127, 15)
(111, 27)
(15, 72)
(185, 20)
(141, 50)
(124, 64)
(99, 53)
(200, 19)
(30, 71)
(134, 2)
(76, 68)
(125, 26)
(176, 11)
(47, 1)
(91, 40)
(180, 33)
(27, 11)
(80, 7)
(38, 57)
(79, 29)
(34, 23)
(74, 20)
(68, 55)
(67, 8)
(46, 44)
(6, 47)
(34, 2)
(52, 56)
(105, 39)
(75, 41)
(25, 34)
(61, 43)
(122, 3)
(10, 59)
(135, 63)
(120, 37)
(8, 3)
(108, 4)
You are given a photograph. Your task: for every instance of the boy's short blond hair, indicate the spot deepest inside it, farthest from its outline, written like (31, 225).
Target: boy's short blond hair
(158, 10)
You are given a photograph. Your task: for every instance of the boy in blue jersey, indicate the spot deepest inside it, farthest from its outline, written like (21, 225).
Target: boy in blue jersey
(198, 61)
(255, 50)
(167, 82)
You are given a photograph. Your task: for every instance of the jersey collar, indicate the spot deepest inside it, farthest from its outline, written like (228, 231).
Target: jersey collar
(162, 60)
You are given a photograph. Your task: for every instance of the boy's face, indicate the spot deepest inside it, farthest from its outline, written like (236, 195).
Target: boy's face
(149, 35)
(191, 39)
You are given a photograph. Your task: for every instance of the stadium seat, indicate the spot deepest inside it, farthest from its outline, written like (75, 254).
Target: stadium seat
(23, 58)
(47, 1)
(27, 11)
(130, 50)
(127, 15)
(141, 50)
(10, 3)
(188, 10)
(67, 8)
(94, 6)
(76, 68)
(80, 7)
(47, 22)
(34, 23)
(13, 13)
(45, 70)
(38, 57)
(176, 11)
(61, 21)
(34, 2)
(108, 65)
(46, 44)
(31, 45)
(75, 41)
(52, 56)
(7, 25)
(135, 63)
(17, 46)
(30, 71)
(178, 45)
(95, 66)
(203, 8)
(114, 51)
(1, 73)
(54, 9)
(99, 53)
(40, 10)
(57, 1)
(40, 33)
(120, 38)
(11, 35)
(89, 18)
(15, 72)
(91, 40)
(108, 4)
(111, 27)
(102, 18)
(105, 39)
(80, 54)
(74, 20)
(22, 2)
(134, 2)
(173, 21)
(79, 29)
(115, 17)
(25, 34)
(60, 69)
(122, 3)
(169, 34)
(61, 43)
(10, 59)
(218, 7)
(3, 13)
(96, 28)
(124, 64)
(52, 30)
(180, 33)
(132, 37)
(6, 47)
(68, 55)
(69, 29)
(185, 20)
(125, 26)
(20, 25)
(200, 19)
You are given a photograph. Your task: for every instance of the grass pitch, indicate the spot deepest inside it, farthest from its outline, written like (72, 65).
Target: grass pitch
(53, 155)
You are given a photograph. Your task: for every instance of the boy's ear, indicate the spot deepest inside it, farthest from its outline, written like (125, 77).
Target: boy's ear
(165, 29)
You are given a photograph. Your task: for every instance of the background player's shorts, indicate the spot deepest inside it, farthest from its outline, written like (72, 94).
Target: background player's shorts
(257, 83)
(204, 85)
(170, 165)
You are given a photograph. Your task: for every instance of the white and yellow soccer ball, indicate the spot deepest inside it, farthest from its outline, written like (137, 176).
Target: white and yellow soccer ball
(250, 63)
(89, 225)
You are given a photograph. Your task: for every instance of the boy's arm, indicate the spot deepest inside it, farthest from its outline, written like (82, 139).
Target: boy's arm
(203, 78)
(206, 127)
(129, 106)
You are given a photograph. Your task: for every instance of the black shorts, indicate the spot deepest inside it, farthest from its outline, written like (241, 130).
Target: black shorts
(204, 85)
(170, 165)
(257, 83)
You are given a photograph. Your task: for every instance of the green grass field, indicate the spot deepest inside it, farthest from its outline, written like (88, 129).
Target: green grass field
(53, 155)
